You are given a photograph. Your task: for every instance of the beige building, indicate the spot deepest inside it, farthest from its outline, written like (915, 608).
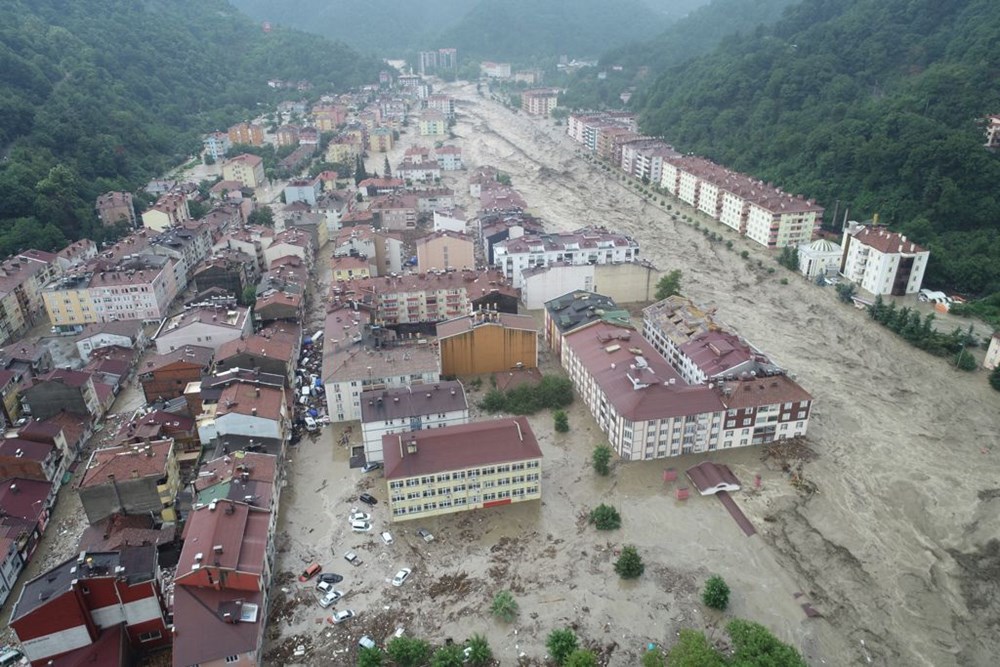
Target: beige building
(460, 468)
(247, 169)
(487, 342)
(169, 210)
(114, 207)
(246, 133)
(445, 250)
(539, 101)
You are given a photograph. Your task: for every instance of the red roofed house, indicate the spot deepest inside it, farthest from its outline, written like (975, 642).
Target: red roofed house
(245, 409)
(32, 460)
(246, 169)
(459, 468)
(63, 390)
(164, 376)
(132, 479)
(882, 262)
(221, 585)
(273, 305)
(98, 608)
(269, 351)
(24, 514)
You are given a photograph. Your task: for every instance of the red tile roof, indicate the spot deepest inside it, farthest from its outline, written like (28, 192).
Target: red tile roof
(463, 324)
(761, 391)
(459, 447)
(142, 460)
(24, 498)
(246, 399)
(634, 377)
(885, 241)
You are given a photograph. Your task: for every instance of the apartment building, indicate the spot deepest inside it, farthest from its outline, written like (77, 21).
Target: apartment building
(405, 409)
(460, 468)
(588, 245)
(539, 101)
(487, 342)
(246, 133)
(303, 190)
(381, 139)
(359, 357)
(216, 145)
(383, 251)
(626, 282)
(574, 309)
(586, 128)
(882, 262)
(170, 209)
(444, 104)
(445, 250)
(419, 172)
(247, 169)
(115, 207)
(143, 478)
(62, 390)
(449, 158)
(432, 124)
(22, 279)
(204, 326)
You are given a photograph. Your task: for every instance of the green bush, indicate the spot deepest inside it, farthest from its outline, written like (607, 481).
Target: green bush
(601, 459)
(408, 651)
(744, 254)
(560, 644)
(480, 653)
(581, 657)
(553, 392)
(504, 606)
(629, 564)
(370, 657)
(448, 656)
(561, 421)
(605, 517)
(716, 593)
(995, 378)
(964, 361)
(654, 658)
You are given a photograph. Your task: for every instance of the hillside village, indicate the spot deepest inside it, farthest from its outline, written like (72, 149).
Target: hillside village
(325, 332)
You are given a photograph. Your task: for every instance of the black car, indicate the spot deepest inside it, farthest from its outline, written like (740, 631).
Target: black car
(330, 578)
(368, 499)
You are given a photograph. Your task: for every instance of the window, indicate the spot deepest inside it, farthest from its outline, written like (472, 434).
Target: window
(746, 422)
(153, 636)
(232, 658)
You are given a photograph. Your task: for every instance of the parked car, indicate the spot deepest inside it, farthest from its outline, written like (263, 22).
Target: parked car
(368, 467)
(425, 535)
(387, 537)
(330, 598)
(361, 527)
(360, 516)
(352, 558)
(311, 424)
(341, 616)
(310, 572)
(368, 499)
(329, 578)
(401, 577)
(366, 642)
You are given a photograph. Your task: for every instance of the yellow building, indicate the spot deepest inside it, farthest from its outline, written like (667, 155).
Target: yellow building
(10, 395)
(433, 124)
(458, 468)
(341, 152)
(445, 250)
(247, 169)
(347, 268)
(69, 301)
(381, 140)
(487, 342)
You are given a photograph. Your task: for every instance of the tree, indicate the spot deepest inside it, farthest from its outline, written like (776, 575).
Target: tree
(654, 657)
(964, 361)
(995, 378)
(386, 169)
(605, 517)
(846, 292)
(561, 421)
(504, 179)
(581, 657)
(448, 656)
(669, 285)
(261, 216)
(359, 170)
(715, 595)
(629, 564)
(408, 651)
(601, 458)
(370, 657)
(693, 650)
(561, 643)
(249, 296)
(789, 258)
(504, 606)
(754, 644)
(480, 653)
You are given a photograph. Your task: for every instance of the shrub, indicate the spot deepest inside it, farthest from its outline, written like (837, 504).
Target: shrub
(605, 517)
(629, 564)
(654, 658)
(965, 361)
(784, 281)
(581, 657)
(408, 651)
(480, 653)
(561, 643)
(694, 650)
(370, 657)
(716, 593)
(744, 254)
(753, 644)
(561, 421)
(995, 378)
(504, 606)
(448, 656)
(601, 459)
(729, 245)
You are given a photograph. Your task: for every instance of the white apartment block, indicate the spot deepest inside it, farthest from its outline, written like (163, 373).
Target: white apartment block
(588, 245)
(410, 409)
(882, 262)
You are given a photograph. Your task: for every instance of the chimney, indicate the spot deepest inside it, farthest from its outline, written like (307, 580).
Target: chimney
(411, 447)
(253, 411)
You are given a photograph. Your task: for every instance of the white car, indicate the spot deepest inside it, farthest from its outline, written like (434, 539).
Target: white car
(341, 616)
(361, 527)
(401, 577)
(387, 537)
(330, 598)
(360, 516)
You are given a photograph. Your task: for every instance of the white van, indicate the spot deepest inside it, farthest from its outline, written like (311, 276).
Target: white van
(311, 424)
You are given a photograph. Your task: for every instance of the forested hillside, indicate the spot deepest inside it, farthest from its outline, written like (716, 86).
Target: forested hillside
(105, 94)
(390, 27)
(875, 103)
(696, 34)
(522, 29)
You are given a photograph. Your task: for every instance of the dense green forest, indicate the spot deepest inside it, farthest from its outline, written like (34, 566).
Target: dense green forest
(635, 64)
(390, 27)
(105, 94)
(875, 104)
(522, 29)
